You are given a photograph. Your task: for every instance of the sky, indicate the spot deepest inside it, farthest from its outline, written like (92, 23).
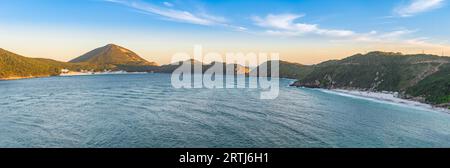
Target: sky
(303, 31)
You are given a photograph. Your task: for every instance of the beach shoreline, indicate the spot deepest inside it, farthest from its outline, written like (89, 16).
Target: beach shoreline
(390, 97)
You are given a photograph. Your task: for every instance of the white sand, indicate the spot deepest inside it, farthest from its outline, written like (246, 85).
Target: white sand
(385, 98)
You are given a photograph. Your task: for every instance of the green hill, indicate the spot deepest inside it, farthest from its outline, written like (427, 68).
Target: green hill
(115, 57)
(411, 75)
(16, 66)
(109, 57)
(434, 88)
(286, 70)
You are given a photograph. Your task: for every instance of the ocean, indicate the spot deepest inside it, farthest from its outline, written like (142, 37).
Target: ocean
(144, 110)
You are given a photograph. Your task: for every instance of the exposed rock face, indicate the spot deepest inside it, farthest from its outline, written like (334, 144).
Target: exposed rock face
(315, 84)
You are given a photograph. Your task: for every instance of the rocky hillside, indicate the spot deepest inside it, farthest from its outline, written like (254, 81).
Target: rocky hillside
(434, 88)
(414, 76)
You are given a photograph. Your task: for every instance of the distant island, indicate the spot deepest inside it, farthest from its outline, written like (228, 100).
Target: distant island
(421, 77)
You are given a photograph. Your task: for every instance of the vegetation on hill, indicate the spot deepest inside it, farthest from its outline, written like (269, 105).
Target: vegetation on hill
(116, 58)
(16, 66)
(414, 76)
(109, 57)
(13, 65)
(286, 70)
(434, 88)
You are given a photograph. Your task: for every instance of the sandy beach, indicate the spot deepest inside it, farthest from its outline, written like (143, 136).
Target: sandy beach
(387, 97)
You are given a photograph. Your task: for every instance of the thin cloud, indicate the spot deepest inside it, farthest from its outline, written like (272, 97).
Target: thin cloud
(171, 14)
(284, 24)
(392, 36)
(287, 25)
(417, 6)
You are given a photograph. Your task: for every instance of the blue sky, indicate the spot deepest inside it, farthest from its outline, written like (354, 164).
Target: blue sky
(305, 31)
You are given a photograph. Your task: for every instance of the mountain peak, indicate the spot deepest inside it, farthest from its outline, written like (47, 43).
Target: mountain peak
(113, 54)
(113, 45)
(119, 48)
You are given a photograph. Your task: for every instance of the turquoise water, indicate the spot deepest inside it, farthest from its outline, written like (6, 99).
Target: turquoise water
(143, 110)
